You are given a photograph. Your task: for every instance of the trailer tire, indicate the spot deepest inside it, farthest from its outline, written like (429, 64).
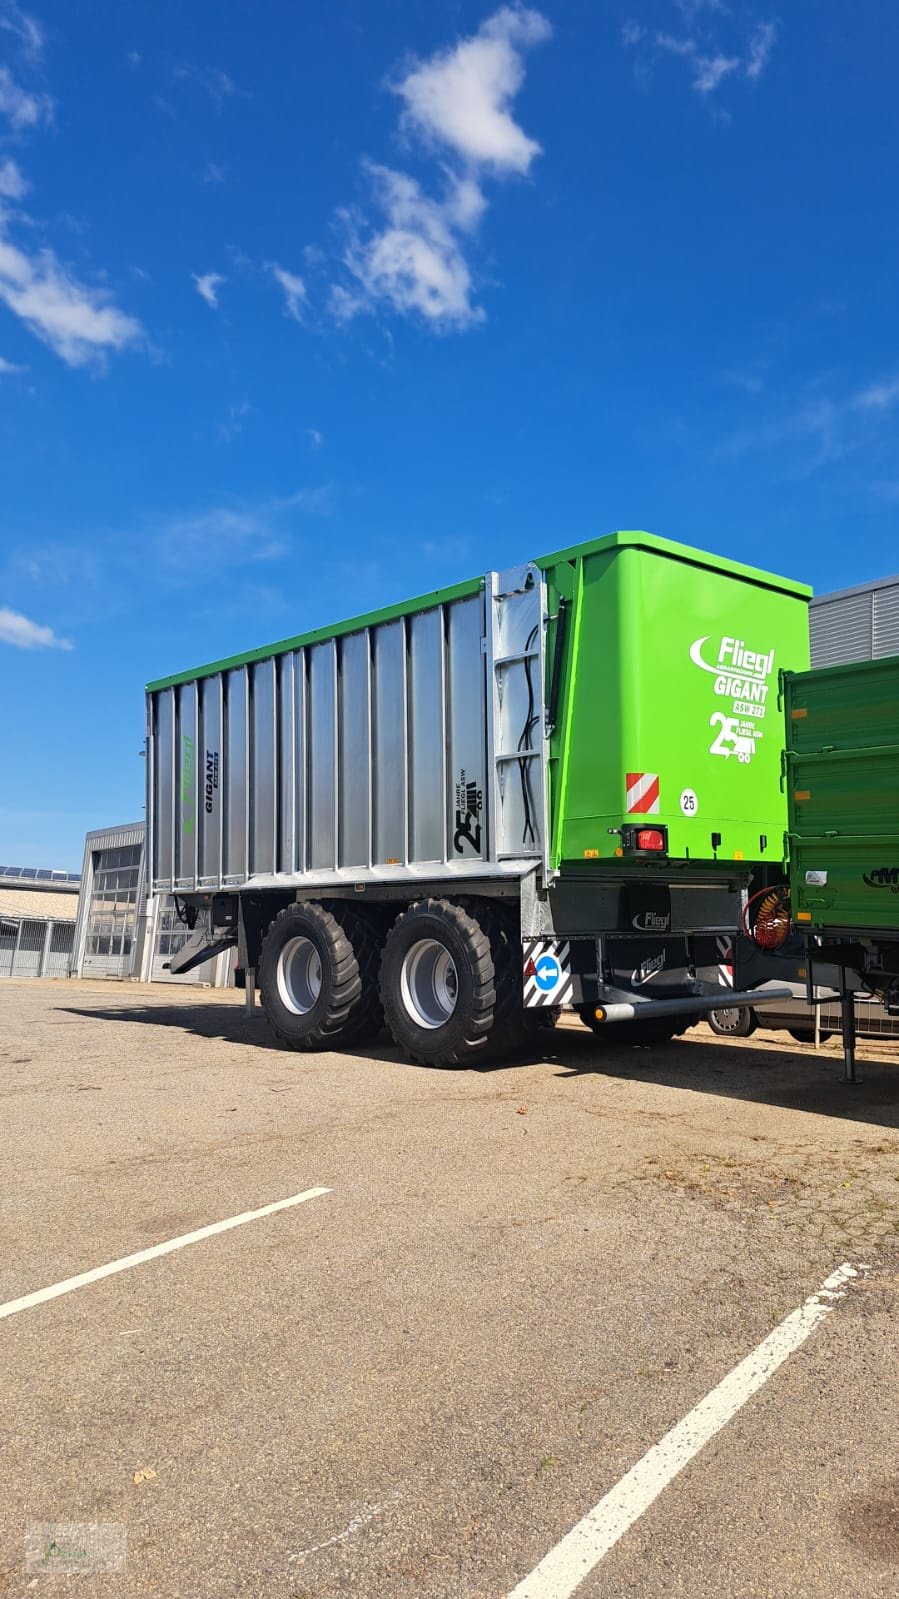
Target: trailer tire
(732, 1021)
(318, 978)
(447, 983)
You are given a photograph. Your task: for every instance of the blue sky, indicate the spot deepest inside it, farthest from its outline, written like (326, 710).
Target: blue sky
(304, 309)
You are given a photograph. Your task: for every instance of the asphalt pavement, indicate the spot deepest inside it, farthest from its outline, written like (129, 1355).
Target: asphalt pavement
(416, 1383)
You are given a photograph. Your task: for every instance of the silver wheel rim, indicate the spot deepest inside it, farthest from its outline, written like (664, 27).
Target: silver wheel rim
(299, 975)
(728, 1019)
(429, 983)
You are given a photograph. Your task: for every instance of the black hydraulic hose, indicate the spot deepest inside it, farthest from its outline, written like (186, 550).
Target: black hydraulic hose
(555, 681)
(523, 743)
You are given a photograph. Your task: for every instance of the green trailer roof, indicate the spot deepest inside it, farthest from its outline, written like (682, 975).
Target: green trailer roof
(458, 591)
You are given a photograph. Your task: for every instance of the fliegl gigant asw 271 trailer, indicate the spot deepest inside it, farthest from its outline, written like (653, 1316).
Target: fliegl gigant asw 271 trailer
(548, 788)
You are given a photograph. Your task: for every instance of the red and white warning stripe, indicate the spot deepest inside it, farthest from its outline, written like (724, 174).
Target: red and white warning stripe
(643, 792)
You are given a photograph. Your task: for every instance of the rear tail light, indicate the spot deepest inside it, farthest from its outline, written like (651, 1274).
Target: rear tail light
(651, 838)
(644, 840)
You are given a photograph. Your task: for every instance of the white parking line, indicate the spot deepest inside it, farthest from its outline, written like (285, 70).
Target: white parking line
(41, 1295)
(566, 1566)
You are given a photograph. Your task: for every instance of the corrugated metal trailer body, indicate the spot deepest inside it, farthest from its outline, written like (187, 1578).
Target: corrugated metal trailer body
(843, 787)
(514, 721)
(359, 753)
(855, 624)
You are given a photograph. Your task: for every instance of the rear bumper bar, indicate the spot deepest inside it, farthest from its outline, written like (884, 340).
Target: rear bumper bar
(697, 1006)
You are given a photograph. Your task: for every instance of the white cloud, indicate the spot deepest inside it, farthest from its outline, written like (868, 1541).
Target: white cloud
(675, 47)
(9, 368)
(461, 97)
(218, 85)
(28, 32)
(760, 46)
(229, 534)
(294, 290)
(27, 635)
(708, 71)
(214, 173)
(234, 422)
(416, 261)
(208, 285)
(690, 9)
(79, 323)
(714, 47)
(22, 108)
(249, 532)
(877, 397)
(316, 439)
(13, 183)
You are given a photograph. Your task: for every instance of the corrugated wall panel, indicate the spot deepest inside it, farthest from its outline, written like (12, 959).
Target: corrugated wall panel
(354, 750)
(263, 768)
(427, 737)
(186, 783)
(886, 621)
(301, 759)
(322, 764)
(287, 762)
(467, 732)
(210, 780)
(164, 785)
(389, 744)
(840, 627)
(235, 777)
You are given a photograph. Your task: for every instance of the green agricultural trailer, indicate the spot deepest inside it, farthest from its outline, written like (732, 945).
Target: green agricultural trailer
(841, 772)
(553, 787)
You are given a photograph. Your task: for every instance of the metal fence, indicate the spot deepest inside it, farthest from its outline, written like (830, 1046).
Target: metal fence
(35, 948)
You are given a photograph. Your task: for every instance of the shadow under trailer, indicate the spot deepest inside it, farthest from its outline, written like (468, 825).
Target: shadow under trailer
(553, 788)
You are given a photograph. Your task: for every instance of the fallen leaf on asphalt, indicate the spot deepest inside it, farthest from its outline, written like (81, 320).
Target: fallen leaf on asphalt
(146, 1474)
(522, 1110)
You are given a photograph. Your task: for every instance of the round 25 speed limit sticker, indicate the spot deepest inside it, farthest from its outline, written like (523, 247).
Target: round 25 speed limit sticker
(689, 804)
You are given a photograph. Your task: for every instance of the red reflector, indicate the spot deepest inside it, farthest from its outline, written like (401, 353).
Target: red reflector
(650, 838)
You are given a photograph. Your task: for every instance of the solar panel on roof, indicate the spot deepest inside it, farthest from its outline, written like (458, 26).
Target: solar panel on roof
(48, 874)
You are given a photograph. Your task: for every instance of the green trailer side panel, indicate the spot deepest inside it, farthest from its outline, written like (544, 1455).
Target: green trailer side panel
(842, 769)
(676, 684)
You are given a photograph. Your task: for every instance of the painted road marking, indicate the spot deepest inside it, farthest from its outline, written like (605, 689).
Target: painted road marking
(42, 1295)
(566, 1566)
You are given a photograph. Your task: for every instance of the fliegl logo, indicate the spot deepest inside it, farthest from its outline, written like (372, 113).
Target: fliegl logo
(883, 877)
(651, 922)
(742, 680)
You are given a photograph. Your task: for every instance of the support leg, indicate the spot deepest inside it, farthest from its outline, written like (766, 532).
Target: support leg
(847, 1003)
(250, 990)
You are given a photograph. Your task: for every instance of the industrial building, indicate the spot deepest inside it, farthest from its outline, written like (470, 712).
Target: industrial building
(37, 921)
(120, 932)
(98, 923)
(856, 624)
